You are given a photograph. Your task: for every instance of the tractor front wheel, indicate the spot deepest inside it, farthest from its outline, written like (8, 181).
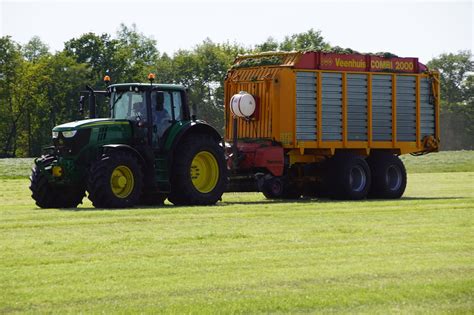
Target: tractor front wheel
(115, 181)
(47, 195)
(198, 173)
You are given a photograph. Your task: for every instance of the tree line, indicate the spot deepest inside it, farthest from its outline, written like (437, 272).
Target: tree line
(39, 89)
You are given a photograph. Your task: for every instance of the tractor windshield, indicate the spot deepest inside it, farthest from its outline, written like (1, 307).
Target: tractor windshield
(128, 105)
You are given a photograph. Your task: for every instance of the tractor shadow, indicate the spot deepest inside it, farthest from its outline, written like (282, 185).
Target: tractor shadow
(169, 206)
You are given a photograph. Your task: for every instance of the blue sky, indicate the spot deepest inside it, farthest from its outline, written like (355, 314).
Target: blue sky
(421, 29)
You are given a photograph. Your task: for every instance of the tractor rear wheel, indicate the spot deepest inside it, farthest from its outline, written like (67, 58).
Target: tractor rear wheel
(389, 176)
(47, 195)
(198, 173)
(115, 181)
(350, 177)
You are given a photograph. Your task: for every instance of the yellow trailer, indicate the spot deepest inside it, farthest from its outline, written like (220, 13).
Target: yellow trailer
(324, 110)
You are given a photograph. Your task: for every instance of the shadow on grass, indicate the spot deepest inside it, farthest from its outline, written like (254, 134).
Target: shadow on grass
(327, 200)
(261, 202)
(165, 206)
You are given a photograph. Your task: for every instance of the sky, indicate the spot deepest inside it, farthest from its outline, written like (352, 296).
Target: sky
(415, 28)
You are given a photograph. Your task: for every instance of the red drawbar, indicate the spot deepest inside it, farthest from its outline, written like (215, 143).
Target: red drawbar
(261, 155)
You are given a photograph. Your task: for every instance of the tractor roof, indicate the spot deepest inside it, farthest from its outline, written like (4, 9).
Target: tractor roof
(122, 86)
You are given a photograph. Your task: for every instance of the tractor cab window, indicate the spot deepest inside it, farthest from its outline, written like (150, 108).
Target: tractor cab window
(128, 105)
(177, 105)
(163, 118)
(172, 104)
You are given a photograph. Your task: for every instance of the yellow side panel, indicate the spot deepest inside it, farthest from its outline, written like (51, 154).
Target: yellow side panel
(286, 121)
(259, 83)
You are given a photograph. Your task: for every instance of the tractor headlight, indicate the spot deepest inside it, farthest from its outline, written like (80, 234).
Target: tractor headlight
(69, 134)
(55, 134)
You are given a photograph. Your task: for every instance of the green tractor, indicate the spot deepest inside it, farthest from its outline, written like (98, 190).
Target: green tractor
(151, 148)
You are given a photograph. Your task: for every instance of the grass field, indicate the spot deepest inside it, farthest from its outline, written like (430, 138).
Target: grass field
(246, 254)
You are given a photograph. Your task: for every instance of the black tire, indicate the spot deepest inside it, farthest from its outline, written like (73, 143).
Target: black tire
(389, 176)
(47, 195)
(273, 188)
(193, 149)
(277, 188)
(115, 181)
(351, 179)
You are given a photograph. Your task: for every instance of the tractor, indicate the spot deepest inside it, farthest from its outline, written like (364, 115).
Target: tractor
(151, 148)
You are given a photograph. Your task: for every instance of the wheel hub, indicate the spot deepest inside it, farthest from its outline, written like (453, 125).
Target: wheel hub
(204, 172)
(121, 181)
(357, 179)
(393, 178)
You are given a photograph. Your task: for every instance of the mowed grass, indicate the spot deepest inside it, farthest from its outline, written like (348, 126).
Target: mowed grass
(244, 255)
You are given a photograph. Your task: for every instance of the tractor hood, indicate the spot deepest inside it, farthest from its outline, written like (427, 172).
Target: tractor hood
(87, 123)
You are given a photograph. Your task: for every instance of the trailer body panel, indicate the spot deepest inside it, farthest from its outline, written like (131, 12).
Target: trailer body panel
(327, 110)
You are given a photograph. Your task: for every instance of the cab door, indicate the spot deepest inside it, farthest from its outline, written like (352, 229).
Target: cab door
(167, 108)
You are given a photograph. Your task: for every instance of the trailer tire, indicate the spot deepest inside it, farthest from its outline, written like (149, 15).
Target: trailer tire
(199, 173)
(350, 178)
(115, 181)
(47, 195)
(273, 188)
(389, 176)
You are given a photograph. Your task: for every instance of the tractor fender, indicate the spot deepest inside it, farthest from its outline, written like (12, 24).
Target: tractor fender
(195, 127)
(124, 148)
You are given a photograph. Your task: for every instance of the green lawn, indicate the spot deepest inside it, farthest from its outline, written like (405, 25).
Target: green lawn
(246, 254)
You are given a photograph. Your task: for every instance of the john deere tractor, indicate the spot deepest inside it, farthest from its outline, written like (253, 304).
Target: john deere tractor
(150, 149)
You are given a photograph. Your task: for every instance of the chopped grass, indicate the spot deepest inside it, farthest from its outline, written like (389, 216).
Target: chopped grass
(244, 255)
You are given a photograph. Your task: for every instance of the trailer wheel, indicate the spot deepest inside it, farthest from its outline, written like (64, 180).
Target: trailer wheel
(198, 173)
(351, 177)
(47, 195)
(115, 181)
(273, 188)
(389, 176)
(277, 188)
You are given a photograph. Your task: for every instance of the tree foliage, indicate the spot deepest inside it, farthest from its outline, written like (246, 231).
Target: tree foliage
(310, 40)
(455, 70)
(457, 92)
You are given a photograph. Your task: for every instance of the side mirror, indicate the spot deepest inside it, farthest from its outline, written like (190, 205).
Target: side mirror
(160, 101)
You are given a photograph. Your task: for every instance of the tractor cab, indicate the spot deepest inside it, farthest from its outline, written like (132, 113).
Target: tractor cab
(151, 107)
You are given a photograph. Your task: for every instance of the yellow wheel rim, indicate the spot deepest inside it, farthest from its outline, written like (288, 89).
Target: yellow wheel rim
(122, 181)
(204, 172)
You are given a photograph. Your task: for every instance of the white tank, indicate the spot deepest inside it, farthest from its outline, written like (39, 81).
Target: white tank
(243, 104)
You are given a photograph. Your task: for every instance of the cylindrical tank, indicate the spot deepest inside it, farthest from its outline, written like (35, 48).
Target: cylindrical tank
(242, 105)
